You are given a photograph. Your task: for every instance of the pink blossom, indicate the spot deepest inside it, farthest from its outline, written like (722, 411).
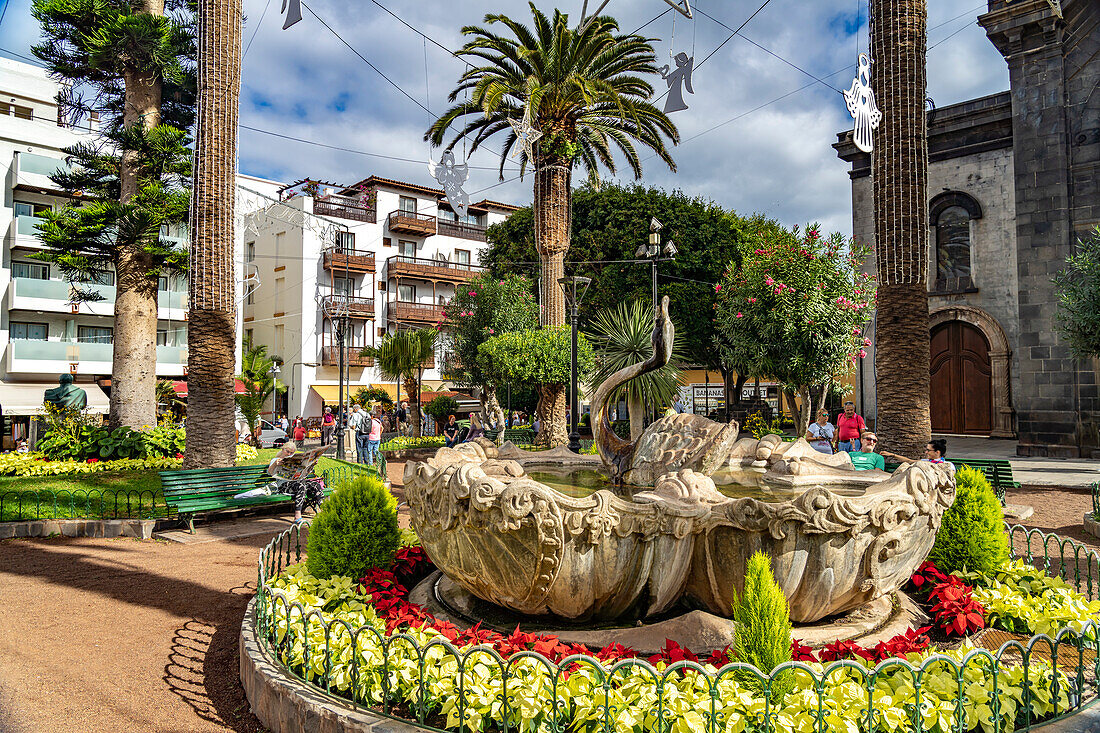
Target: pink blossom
(739, 315)
(473, 292)
(862, 353)
(718, 288)
(866, 342)
(752, 300)
(855, 331)
(491, 331)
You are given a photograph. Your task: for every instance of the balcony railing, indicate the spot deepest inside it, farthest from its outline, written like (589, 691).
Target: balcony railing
(85, 351)
(409, 222)
(400, 310)
(344, 207)
(352, 260)
(358, 306)
(426, 269)
(62, 292)
(461, 229)
(330, 356)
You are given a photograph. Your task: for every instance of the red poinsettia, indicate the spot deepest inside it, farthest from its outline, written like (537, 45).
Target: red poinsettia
(956, 611)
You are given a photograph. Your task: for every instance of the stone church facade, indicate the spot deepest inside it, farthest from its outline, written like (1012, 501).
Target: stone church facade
(1012, 185)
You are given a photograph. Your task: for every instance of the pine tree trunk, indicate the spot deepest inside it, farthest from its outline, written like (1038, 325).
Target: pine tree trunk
(636, 408)
(899, 167)
(212, 333)
(553, 196)
(134, 353)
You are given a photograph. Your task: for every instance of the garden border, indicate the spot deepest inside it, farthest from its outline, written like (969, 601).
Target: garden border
(1084, 714)
(138, 528)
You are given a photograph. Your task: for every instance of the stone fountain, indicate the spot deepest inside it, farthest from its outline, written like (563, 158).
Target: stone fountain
(662, 535)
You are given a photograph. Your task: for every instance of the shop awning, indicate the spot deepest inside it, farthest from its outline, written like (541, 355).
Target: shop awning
(25, 398)
(329, 392)
(181, 387)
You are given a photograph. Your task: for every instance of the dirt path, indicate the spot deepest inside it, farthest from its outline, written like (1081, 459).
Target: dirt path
(109, 635)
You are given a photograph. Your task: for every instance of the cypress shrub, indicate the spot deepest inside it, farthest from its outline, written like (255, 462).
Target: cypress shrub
(972, 535)
(763, 632)
(354, 531)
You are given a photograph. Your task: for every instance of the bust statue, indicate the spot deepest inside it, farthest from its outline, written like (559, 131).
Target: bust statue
(66, 395)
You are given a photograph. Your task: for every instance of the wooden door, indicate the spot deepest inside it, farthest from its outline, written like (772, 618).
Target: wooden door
(962, 385)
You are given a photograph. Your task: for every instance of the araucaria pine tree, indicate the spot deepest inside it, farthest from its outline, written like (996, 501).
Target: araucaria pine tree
(132, 63)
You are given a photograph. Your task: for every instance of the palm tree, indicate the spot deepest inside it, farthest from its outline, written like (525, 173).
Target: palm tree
(621, 336)
(259, 385)
(401, 357)
(211, 332)
(899, 164)
(585, 93)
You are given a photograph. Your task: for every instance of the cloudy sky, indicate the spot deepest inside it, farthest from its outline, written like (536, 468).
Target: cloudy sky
(740, 147)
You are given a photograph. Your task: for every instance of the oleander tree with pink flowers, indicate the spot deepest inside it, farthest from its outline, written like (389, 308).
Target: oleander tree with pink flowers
(481, 308)
(795, 310)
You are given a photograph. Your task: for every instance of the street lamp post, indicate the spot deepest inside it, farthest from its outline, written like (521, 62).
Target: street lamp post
(274, 391)
(574, 288)
(653, 252)
(336, 309)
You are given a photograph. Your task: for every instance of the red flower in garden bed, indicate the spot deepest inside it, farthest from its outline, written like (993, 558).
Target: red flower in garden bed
(956, 612)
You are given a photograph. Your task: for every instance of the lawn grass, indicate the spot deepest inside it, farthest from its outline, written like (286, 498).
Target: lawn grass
(124, 494)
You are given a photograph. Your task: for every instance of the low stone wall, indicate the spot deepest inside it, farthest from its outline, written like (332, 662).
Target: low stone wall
(1092, 527)
(285, 704)
(139, 528)
(411, 454)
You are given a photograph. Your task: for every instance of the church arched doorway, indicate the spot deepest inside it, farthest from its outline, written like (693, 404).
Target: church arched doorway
(962, 380)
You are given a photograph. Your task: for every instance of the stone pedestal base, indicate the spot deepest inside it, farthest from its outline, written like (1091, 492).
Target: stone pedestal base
(699, 631)
(1092, 526)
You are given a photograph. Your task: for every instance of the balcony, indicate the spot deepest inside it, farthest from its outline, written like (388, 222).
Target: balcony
(344, 207)
(55, 296)
(349, 260)
(399, 310)
(425, 269)
(31, 172)
(460, 229)
(358, 306)
(330, 356)
(90, 358)
(409, 222)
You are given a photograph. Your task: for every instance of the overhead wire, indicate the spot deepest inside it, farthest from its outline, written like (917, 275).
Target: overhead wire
(256, 30)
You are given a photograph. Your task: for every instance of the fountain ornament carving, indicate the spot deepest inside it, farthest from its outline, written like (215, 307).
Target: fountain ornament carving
(840, 539)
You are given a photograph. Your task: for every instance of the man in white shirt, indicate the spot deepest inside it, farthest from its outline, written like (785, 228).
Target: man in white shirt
(355, 422)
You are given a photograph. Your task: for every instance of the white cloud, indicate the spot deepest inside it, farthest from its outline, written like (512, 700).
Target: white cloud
(305, 83)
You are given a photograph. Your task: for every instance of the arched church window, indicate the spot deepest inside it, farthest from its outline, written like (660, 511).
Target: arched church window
(951, 215)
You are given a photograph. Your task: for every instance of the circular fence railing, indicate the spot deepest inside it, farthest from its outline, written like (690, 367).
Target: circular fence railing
(432, 683)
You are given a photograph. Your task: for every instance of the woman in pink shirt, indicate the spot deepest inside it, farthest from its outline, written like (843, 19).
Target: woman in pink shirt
(374, 437)
(849, 428)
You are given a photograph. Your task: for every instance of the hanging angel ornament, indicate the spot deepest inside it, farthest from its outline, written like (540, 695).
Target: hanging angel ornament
(861, 105)
(678, 79)
(293, 10)
(451, 176)
(526, 136)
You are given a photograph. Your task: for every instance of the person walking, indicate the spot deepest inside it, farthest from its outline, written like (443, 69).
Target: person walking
(849, 428)
(328, 426)
(403, 418)
(360, 427)
(820, 433)
(299, 433)
(374, 435)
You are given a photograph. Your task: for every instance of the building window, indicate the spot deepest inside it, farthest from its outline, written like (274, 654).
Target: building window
(462, 258)
(343, 286)
(95, 335)
(345, 241)
(406, 249)
(29, 208)
(248, 336)
(103, 277)
(406, 293)
(951, 213)
(407, 205)
(162, 338)
(16, 110)
(164, 283)
(28, 331)
(249, 251)
(30, 270)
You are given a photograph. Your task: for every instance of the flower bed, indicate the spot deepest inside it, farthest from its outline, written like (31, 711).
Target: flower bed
(366, 642)
(36, 464)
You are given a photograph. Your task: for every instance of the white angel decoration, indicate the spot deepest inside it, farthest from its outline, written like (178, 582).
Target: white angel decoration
(861, 105)
(451, 176)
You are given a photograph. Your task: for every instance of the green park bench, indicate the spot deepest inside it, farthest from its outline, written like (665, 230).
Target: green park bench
(207, 490)
(519, 436)
(998, 471)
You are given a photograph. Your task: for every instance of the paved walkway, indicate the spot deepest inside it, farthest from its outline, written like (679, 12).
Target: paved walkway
(1069, 472)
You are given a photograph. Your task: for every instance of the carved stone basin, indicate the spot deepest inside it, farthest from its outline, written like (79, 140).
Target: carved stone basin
(523, 545)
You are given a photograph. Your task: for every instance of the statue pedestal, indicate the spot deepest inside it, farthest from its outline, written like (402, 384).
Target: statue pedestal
(349, 445)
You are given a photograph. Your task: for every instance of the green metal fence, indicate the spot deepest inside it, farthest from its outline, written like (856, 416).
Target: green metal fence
(25, 505)
(336, 475)
(1095, 488)
(1021, 684)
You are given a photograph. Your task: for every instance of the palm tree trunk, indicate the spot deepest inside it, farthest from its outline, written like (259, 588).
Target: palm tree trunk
(553, 197)
(899, 169)
(414, 406)
(551, 412)
(212, 333)
(134, 353)
(636, 408)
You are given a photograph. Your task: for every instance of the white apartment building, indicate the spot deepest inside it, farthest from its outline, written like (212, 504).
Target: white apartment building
(395, 251)
(43, 333)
